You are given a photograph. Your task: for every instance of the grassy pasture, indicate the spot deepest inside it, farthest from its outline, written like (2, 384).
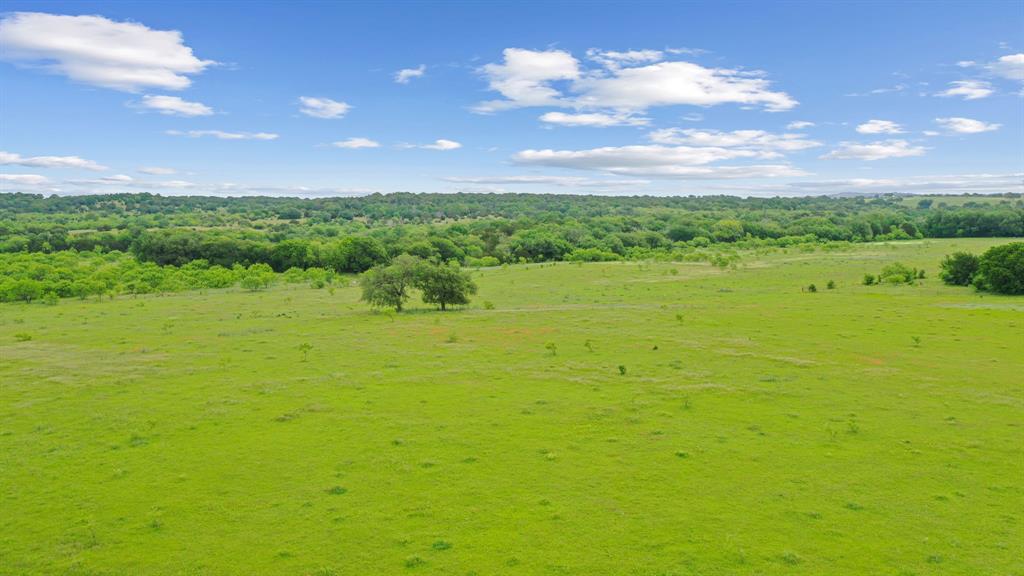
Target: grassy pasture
(756, 429)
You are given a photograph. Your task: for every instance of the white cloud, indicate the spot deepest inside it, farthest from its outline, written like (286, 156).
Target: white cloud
(966, 63)
(404, 75)
(968, 89)
(766, 144)
(799, 125)
(125, 180)
(175, 106)
(25, 179)
(595, 119)
(156, 170)
(564, 181)
(930, 133)
(627, 81)
(7, 158)
(880, 127)
(525, 76)
(1010, 66)
(222, 135)
(875, 150)
(942, 184)
(612, 59)
(92, 49)
(356, 143)
(966, 125)
(323, 107)
(677, 83)
(442, 144)
(656, 161)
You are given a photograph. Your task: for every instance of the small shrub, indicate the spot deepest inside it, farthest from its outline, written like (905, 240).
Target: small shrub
(22, 337)
(897, 273)
(812, 288)
(622, 370)
(869, 279)
(831, 285)
(552, 348)
(488, 305)
(441, 545)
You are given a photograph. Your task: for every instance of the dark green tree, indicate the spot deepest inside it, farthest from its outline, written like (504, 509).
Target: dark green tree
(388, 286)
(445, 284)
(959, 268)
(1001, 269)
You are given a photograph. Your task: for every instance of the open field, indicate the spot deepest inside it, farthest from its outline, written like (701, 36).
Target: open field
(756, 429)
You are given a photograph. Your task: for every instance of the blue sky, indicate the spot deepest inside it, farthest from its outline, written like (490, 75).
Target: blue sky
(611, 98)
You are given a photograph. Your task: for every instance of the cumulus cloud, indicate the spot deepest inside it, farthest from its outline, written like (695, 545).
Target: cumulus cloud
(8, 158)
(966, 125)
(968, 89)
(404, 75)
(439, 144)
(677, 83)
(595, 119)
(222, 135)
(799, 125)
(94, 50)
(354, 143)
(322, 107)
(156, 170)
(525, 78)
(174, 106)
(880, 127)
(879, 150)
(766, 144)
(656, 161)
(624, 81)
(1010, 66)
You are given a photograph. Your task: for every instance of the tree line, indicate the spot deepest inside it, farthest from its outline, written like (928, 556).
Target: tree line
(351, 235)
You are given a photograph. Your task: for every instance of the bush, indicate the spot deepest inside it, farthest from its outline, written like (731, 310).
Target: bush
(1001, 269)
(958, 269)
(897, 273)
(592, 255)
(869, 279)
(257, 277)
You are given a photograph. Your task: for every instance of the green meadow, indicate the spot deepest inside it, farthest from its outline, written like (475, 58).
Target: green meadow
(602, 418)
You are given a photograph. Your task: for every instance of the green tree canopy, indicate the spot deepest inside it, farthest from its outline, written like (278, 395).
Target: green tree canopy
(445, 284)
(1001, 269)
(959, 268)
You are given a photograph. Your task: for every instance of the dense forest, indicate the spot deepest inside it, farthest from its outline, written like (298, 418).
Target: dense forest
(216, 240)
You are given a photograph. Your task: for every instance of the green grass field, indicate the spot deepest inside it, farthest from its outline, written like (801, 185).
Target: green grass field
(757, 429)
